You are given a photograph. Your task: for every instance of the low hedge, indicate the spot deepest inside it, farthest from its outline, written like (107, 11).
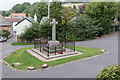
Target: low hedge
(109, 73)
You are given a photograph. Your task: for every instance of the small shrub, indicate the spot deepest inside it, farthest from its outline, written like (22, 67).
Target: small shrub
(109, 73)
(4, 33)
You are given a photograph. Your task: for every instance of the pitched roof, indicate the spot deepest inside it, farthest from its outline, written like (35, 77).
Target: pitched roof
(44, 19)
(18, 15)
(30, 19)
(74, 18)
(5, 23)
(12, 19)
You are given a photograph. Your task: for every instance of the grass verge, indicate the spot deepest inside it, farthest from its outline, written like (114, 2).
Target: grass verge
(18, 43)
(26, 59)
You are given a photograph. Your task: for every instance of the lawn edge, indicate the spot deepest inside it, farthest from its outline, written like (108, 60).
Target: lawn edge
(3, 61)
(13, 44)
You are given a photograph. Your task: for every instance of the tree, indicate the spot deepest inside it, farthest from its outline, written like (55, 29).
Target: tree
(118, 12)
(82, 8)
(75, 7)
(5, 13)
(24, 7)
(19, 8)
(83, 29)
(67, 15)
(46, 29)
(103, 12)
(41, 10)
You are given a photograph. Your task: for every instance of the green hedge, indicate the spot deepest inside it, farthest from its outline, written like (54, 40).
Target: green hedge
(109, 73)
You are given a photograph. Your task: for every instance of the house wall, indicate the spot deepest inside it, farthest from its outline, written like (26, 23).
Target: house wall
(14, 28)
(21, 26)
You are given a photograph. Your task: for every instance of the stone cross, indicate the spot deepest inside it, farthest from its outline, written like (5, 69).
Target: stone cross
(53, 23)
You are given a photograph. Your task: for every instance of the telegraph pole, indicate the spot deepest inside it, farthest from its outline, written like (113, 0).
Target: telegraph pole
(48, 9)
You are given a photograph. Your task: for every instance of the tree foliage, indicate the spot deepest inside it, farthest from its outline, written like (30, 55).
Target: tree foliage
(118, 12)
(83, 29)
(82, 8)
(68, 14)
(46, 29)
(19, 8)
(75, 7)
(5, 13)
(103, 12)
(41, 10)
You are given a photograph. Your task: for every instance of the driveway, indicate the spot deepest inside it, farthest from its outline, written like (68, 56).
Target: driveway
(87, 68)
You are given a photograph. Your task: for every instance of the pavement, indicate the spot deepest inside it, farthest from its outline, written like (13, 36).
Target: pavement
(86, 68)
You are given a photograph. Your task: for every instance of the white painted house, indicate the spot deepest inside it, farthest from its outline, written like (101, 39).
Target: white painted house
(21, 25)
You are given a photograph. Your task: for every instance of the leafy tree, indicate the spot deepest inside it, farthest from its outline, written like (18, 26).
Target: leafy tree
(118, 12)
(24, 7)
(19, 8)
(82, 8)
(103, 12)
(41, 10)
(75, 7)
(15, 8)
(31, 32)
(67, 15)
(83, 29)
(5, 13)
(46, 29)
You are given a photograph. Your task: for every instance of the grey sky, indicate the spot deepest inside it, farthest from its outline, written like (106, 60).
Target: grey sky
(8, 4)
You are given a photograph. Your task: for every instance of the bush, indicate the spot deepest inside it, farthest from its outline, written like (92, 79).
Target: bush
(109, 73)
(84, 29)
(4, 33)
(46, 29)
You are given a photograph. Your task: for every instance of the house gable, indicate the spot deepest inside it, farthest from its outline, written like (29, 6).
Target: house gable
(22, 21)
(22, 25)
